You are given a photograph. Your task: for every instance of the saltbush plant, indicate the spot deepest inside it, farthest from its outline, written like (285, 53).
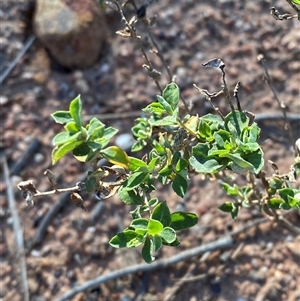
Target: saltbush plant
(176, 146)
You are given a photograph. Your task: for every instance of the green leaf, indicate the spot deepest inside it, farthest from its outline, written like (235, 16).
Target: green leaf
(154, 227)
(256, 159)
(64, 137)
(126, 239)
(130, 197)
(62, 117)
(61, 150)
(236, 120)
(116, 155)
(140, 223)
(135, 180)
(204, 129)
(168, 120)
(153, 202)
(275, 203)
(136, 213)
(81, 152)
(139, 145)
(167, 107)
(230, 190)
(180, 185)
(285, 193)
(95, 129)
(230, 207)
(275, 183)
(238, 160)
(154, 108)
(183, 220)
(109, 132)
(227, 207)
(182, 164)
(136, 163)
(147, 250)
(203, 165)
(168, 234)
(162, 213)
(157, 242)
(76, 109)
(171, 95)
(221, 137)
(90, 184)
(175, 243)
(72, 127)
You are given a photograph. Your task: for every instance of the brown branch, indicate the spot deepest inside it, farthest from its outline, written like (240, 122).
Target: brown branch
(18, 230)
(222, 243)
(281, 104)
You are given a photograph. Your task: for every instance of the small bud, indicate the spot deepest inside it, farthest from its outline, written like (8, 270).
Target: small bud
(274, 166)
(27, 186)
(51, 177)
(77, 200)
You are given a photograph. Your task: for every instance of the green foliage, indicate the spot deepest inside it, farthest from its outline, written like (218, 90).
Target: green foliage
(85, 142)
(179, 146)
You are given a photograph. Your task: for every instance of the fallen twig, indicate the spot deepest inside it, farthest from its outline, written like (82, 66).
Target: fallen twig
(24, 159)
(18, 231)
(11, 66)
(222, 243)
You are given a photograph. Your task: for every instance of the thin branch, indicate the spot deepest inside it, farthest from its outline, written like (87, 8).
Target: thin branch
(277, 16)
(236, 95)
(225, 89)
(281, 104)
(18, 231)
(222, 243)
(133, 34)
(51, 213)
(12, 65)
(208, 97)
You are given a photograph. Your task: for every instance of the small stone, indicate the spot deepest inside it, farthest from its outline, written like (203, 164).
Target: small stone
(3, 100)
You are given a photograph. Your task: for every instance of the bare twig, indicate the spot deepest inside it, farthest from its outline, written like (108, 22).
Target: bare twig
(11, 66)
(283, 222)
(133, 34)
(208, 97)
(51, 213)
(222, 243)
(277, 16)
(236, 95)
(18, 231)
(281, 104)
(225, 89)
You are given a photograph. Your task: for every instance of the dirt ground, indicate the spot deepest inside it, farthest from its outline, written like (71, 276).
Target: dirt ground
(263, 263)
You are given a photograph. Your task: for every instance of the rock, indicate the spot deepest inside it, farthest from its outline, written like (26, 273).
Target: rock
(73, 31)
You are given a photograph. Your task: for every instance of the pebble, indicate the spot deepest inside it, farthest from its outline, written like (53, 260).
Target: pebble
(35, 253)
(3, 100)
(38, 158)
(124, 140)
